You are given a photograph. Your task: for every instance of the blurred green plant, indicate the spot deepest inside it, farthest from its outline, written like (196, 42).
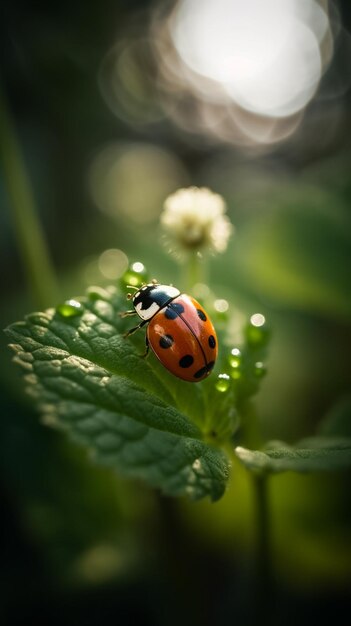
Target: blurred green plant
(30, 239)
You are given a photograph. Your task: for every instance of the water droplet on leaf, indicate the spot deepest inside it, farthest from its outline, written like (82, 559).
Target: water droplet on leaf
(260, 369)
(70, 308)
(234, 359)
(223, 382)
(135, 275)
(236, 373)
(257, 332)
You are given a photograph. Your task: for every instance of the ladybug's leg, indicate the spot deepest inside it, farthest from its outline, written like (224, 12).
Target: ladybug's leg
(127, 313)
(133, 330)
(147, 348)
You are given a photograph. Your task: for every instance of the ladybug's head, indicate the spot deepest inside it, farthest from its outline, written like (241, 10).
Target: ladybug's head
(150, 298)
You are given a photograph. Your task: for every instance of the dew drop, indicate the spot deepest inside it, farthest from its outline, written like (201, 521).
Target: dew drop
(257, 332)
(234, 359)
(235, 373)
(70, 308)
(260, 369)
(135, 275)
(258, 320)
(223, 382)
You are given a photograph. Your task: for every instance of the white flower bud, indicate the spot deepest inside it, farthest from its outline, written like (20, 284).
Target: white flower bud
(194, 219)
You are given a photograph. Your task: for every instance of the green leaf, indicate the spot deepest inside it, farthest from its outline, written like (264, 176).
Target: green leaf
(309, 455)
(87, 378)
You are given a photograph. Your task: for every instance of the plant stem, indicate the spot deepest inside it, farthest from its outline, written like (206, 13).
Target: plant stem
(263, 547)
(30, 238)
(194, 271)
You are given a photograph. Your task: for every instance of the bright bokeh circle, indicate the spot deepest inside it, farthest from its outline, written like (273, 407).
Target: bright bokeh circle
(266, 55)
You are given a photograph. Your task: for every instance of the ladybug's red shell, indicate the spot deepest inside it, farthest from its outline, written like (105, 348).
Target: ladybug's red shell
(183, 338)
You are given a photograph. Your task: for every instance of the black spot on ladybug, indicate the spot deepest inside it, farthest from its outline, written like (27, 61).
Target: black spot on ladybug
(204, 370)
(173, 310)
(166, 341)
(200, 373)
(201, 315)
(211, 341)
(186, 361)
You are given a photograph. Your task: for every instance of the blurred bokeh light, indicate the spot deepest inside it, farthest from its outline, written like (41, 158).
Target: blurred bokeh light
(112, 263)
(252, 68)
(131, 180)
(267, 56)
(242, 73)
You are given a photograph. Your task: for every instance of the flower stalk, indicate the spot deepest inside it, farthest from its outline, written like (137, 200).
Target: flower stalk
(263, 557)
(194, 271)
(30, 238)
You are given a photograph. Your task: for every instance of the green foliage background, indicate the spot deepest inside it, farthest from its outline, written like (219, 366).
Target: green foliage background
(80, 542)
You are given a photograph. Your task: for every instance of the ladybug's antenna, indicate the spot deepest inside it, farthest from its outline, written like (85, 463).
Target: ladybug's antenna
(130, 295)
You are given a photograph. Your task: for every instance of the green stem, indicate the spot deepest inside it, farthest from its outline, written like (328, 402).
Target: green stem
(194, 271)
(30, 238)
(263, 547)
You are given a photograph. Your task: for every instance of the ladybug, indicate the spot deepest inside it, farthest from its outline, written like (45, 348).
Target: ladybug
(179, 331)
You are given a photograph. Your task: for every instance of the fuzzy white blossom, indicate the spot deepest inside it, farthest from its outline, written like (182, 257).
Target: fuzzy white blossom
(194, 219)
